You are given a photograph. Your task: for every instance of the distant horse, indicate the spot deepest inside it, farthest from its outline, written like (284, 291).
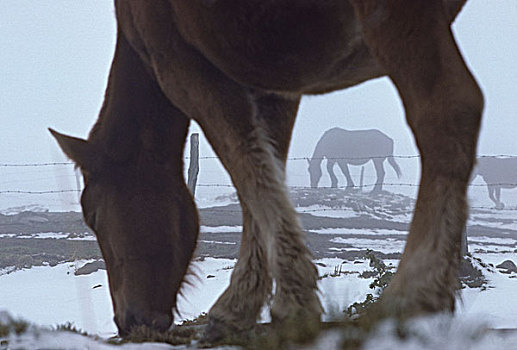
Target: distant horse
(355, 147)
(239, 69)
(497, 173)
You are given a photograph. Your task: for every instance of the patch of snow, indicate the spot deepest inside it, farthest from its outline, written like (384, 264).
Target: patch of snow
(337, 293)
(207, 197)
(8, 235)
(218, 229)
(438, 333)
(56, 235)
(36, 208)
(493, 240)
(496, 258)
(321, 210)
(46, 235)
(358, 231)
(498, 304)
(501, 219)
(84, 238)
(216, 242)
(388, 245)
(47, 339)
(202, 292)
(480, 248)
(53, 295)
(49, 296)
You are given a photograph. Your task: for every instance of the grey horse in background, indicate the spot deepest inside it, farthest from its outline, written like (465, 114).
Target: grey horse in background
(497, 173)
(354, 147)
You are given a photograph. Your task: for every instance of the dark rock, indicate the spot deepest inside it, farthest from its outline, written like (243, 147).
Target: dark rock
(508, 265)
(89, 268)
(368, 274)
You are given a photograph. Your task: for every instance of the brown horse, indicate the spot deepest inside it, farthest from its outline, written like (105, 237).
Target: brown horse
(239, 68)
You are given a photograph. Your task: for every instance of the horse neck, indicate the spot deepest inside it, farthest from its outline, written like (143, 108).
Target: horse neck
(318, 154)
(137, 124)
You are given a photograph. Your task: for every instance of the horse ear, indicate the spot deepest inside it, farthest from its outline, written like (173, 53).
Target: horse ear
(78, 150)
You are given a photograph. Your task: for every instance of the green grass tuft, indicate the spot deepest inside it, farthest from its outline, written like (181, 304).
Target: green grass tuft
(69, 327)
(382, 277)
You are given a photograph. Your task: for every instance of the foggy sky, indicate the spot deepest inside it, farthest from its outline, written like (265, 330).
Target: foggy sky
(55, 57)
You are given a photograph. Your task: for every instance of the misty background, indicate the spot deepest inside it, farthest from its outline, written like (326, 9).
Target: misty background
(54, 62)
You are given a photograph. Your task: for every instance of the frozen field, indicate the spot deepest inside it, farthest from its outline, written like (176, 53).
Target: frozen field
(51, 295)
(48, 296)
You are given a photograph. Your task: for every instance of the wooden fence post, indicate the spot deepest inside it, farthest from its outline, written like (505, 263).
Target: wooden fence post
(193, 168)
(464, 243)
(78, 184)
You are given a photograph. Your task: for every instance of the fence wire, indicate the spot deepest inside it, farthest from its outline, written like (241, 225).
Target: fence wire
(220, 185)
(289, 187)
(410, 156)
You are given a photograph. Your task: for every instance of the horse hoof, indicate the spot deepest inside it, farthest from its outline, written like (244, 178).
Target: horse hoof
(217, 331)
(298, 326)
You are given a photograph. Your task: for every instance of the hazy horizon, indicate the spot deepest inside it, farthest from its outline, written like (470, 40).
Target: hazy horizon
(55, 57)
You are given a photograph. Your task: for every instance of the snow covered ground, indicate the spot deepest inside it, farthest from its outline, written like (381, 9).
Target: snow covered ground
(47, 296)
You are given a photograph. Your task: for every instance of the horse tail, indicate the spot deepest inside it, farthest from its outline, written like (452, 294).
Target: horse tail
(395, 166)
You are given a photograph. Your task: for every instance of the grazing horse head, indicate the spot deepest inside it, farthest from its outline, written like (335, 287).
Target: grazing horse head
(146, 226)
(314, 171)
(239, 69)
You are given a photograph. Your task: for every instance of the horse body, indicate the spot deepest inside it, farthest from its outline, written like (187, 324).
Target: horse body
(355, 147)
(239, 69)
(498, 173)
(283, 46)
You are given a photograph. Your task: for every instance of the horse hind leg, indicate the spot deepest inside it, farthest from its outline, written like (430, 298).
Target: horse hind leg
(291, 263)
(273, 241)
(273, 246)
(379, 169)
(491, 194)
(497, 193)
(413, 42)
(344, 169)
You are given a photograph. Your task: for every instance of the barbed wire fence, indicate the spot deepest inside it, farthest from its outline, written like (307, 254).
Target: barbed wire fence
(411, 156)
(22, 191)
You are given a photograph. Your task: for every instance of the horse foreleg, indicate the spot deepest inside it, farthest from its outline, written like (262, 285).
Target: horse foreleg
(412, 40)
(330, 170)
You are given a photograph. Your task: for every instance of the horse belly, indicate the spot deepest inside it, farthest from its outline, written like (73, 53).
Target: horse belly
(285, 45)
